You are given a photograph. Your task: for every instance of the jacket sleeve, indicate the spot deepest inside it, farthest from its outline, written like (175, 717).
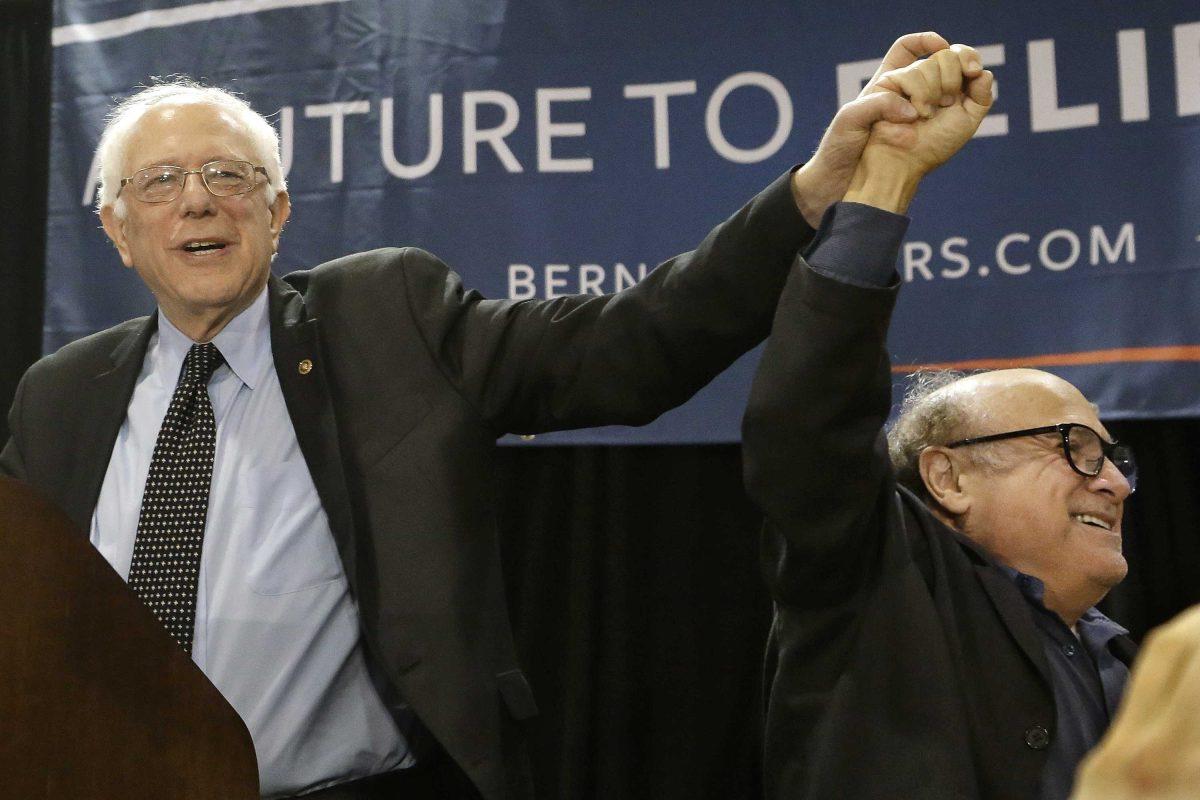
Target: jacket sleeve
(624, 358)
(815, 454)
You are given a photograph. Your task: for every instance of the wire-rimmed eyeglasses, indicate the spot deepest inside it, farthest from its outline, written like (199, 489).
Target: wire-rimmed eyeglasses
(162, 184)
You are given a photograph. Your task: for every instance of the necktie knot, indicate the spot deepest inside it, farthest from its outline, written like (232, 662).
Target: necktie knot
(201, 362)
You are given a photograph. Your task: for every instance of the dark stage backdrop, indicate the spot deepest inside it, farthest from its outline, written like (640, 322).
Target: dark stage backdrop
(632, 572)
(24, 149)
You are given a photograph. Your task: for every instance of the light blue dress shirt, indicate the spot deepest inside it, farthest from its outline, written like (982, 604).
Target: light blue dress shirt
(277, 630)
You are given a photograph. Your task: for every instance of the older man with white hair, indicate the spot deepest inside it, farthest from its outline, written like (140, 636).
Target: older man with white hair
(293, 473)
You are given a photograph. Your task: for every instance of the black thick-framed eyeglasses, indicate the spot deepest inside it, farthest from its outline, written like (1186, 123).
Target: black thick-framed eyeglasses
(222, 178)
(1084, 449)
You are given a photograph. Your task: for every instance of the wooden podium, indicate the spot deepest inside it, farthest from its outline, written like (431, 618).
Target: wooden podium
(97, 702)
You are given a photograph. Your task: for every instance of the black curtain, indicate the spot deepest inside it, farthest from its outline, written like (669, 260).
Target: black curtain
(632, 572)
(1162, 534)
(640, 618)
(24, 148)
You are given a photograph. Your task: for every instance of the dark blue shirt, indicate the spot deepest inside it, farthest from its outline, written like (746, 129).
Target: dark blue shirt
(858, 244)
(1088, 683)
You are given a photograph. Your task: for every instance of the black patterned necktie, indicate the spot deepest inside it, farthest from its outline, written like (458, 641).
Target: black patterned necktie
(170, 532)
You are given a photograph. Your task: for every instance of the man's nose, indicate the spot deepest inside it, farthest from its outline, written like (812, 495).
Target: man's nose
(1112, 480)
(194, 197)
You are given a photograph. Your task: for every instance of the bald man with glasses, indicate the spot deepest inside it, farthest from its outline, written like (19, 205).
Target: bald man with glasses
(935, 629)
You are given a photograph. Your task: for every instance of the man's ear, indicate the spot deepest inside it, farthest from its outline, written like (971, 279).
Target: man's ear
(281, 209)
(942, 475)
(115, 228)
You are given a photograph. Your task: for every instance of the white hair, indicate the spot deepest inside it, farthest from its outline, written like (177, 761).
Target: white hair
(933, 414)
(124, 117)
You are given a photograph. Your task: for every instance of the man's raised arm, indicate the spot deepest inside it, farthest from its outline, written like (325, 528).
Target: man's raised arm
(815, 455)
(625, 358)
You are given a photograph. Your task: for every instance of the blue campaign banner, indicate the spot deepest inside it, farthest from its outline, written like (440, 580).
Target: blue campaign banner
(554, 147)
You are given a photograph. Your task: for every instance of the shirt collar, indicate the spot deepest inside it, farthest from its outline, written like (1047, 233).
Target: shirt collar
(1094, 628)
(1033, 589)
(1097, 630)
(172, 348)
(244, 342)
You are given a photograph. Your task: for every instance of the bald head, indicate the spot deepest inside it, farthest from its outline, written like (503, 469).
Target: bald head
(942, 407)
(1005, 398)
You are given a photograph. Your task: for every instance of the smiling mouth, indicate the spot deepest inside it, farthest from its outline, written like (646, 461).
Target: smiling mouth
(203, 246)
(1095, 522)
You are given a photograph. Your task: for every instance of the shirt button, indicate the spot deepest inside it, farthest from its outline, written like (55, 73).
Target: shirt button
(1070, 649)
(1037, 738)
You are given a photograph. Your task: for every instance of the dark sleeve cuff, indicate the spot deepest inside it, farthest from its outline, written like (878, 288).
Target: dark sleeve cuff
(858, 244)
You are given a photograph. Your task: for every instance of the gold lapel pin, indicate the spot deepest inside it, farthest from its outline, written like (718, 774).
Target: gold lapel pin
(305, 366)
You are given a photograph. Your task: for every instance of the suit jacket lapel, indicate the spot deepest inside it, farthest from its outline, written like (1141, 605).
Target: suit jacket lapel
(1014, 611)
(1012, 608)
(299, 363)
(100, 412)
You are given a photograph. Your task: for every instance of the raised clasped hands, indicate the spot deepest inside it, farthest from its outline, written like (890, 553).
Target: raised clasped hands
(949, 93)
(825, 178)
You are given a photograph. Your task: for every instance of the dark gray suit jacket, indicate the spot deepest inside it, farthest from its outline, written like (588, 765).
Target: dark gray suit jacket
(902, 662)
(413, 380)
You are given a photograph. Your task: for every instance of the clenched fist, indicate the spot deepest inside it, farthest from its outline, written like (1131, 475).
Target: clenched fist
(951, 94)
